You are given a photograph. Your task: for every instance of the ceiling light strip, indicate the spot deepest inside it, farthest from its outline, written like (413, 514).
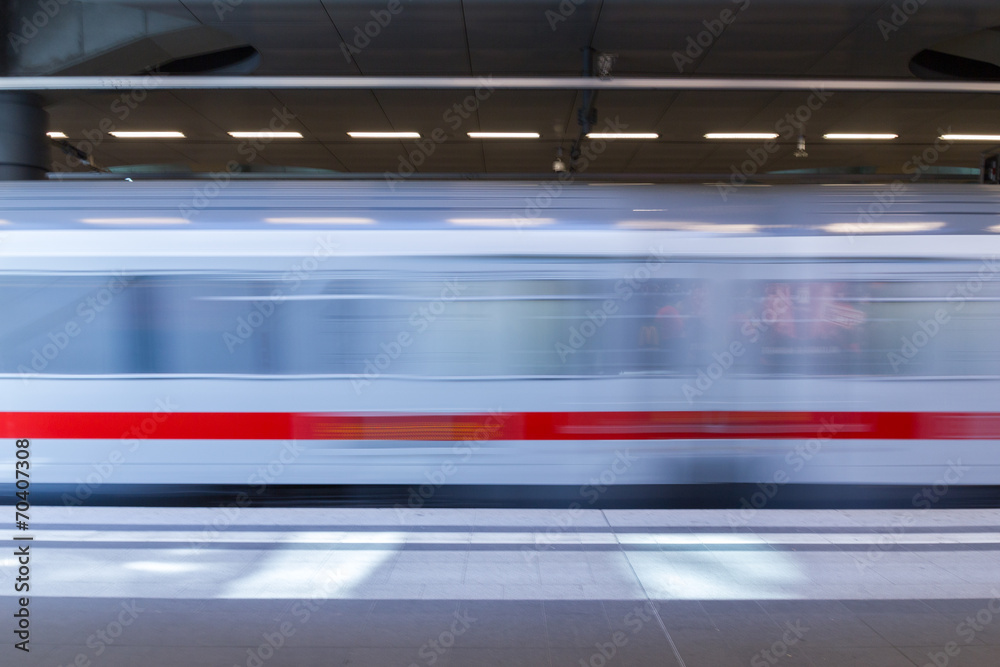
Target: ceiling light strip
(741, 135)
(503, 135)
(623, 135)
(384, 135)
(265, 135)
(847, 136)
(147, 135)
(970, 137)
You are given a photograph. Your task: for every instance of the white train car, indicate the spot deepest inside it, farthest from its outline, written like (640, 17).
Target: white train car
(434, 343)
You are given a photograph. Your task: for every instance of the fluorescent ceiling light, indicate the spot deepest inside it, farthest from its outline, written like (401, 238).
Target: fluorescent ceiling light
(709, 227)
(970, 137)
(503, 135)
(881, 227)
(56, 135)
(741, 135)
(849, 135)
(623, 135)
(135, 221)
(158, 566)
(327, 220)
(266, 135)
(147, 135)
(501, 222)
(994, 228)
(384, 135)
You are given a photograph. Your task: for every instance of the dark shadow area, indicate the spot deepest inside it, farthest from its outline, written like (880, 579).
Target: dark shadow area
(623, 496)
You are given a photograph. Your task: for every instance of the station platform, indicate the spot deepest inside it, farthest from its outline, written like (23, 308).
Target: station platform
(715, 588)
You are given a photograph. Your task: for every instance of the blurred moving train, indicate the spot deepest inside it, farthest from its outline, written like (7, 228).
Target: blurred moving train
(434, 343)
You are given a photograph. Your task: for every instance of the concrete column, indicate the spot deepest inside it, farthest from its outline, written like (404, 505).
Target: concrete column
(7, 12)
(24, 147)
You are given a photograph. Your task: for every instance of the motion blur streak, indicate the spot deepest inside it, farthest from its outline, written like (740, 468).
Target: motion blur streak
(774, 336)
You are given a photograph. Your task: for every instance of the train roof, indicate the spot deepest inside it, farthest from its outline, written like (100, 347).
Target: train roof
(782, 210)
(241, 226)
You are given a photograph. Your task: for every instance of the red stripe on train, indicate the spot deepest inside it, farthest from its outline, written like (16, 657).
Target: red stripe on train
(502, 426)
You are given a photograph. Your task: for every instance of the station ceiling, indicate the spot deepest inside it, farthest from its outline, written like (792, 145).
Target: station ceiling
(769, 38)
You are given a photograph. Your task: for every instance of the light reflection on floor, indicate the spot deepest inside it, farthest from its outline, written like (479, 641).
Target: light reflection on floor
(516, 554)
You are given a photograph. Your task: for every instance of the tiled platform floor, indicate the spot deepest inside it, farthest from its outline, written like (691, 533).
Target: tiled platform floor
(282, 587)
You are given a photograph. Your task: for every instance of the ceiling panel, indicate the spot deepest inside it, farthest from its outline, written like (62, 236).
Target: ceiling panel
(303, 62)
(842, 38)
(330, 115)
(255, 12)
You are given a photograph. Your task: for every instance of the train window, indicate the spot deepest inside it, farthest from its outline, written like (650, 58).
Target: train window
(216, 325)
(902, 322)
(486, 328)
(67, 325)
(889, 327)
(934, 328)
(800, 327)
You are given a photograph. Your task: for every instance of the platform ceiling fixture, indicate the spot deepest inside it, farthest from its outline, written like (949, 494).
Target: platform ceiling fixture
(230, 71)
(95, 83)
